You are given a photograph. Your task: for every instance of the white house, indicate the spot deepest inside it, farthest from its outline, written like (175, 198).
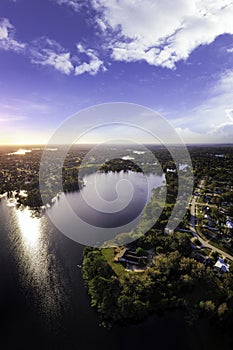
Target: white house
(222, 266)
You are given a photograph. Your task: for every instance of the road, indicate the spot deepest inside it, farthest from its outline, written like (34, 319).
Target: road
(204, 242)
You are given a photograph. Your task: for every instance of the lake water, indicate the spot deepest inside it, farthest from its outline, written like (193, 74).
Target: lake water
(108, 204)
(44, 304)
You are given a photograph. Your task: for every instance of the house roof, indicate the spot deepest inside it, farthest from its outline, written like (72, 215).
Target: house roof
(222, 265)
(121, 253)
(229, 224)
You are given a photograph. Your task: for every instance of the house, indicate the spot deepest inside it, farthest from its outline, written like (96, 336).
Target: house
(222, 266)
(229, 224)
(171, 170)
(129, 256)
(168, 231)
(206, 216)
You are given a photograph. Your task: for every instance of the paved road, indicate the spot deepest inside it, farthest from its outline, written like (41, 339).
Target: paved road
(204, 242)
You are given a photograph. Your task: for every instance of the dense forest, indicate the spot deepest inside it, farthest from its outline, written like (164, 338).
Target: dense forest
(175, 279)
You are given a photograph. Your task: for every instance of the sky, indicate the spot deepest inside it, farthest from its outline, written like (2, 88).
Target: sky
(58, 57)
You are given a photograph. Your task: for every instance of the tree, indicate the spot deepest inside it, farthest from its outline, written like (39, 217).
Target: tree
(140, 251)
(132, 309)
(207, 307)
(159, 249)
(222, 310)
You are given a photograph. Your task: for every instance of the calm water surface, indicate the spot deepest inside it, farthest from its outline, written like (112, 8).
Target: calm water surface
(112, 200)
(44, 304)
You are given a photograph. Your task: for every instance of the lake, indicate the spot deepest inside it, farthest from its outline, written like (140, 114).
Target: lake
(44, 303)
(108, 204)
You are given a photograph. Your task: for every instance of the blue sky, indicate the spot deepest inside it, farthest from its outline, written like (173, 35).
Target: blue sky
(60, 56)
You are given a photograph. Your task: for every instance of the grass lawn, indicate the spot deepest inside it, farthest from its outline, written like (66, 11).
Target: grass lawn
(206, 251)
(119, 269)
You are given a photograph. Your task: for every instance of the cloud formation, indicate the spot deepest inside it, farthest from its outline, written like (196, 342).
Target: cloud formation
(7, 41)
(94, 64)
(74, 4)
(212, 120)
(11, 118)
(47, 52)
(162, 32)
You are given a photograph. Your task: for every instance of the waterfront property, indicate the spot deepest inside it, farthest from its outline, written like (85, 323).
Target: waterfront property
(128, 256)
(221, 266)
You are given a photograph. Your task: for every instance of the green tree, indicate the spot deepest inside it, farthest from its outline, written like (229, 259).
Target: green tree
(207, 307)
(222, 310)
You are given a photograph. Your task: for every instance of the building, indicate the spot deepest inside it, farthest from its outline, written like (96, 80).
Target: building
(229, 224)
(128, 256)
(168, 231)
(222, 266)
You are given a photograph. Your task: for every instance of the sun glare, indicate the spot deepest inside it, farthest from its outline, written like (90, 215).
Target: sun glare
(20, 152)
(29, 227)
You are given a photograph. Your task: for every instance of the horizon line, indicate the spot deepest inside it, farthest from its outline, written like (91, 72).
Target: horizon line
(99, 143)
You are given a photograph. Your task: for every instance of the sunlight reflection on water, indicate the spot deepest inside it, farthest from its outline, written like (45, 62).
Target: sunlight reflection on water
(30, 230)
(38, 267)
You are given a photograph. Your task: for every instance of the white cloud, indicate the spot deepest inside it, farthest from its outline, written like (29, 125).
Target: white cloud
(162, 32)
(47, 52)
(189, 136)
(7, 41)
(7, 118)
(94, 64)
(4, 29)
(60, 62)
(14, 106)
(212, 120)
(229, 113)
(101, 24)
(74, 4)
